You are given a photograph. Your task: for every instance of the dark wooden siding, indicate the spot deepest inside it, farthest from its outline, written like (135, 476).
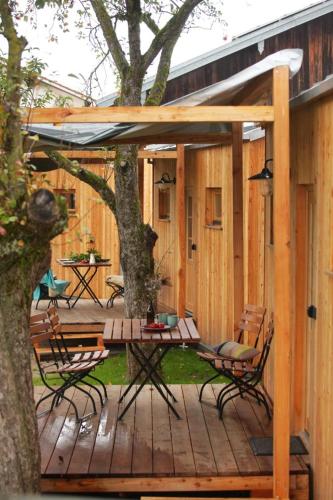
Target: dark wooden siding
(314, 37)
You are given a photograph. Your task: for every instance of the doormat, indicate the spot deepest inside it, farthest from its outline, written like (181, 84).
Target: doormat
(263, 446)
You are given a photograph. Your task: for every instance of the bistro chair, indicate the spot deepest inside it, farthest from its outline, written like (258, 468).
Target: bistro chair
(70, 373)
(116, 283)
(244, 376)
(50, 289)
(245, 349)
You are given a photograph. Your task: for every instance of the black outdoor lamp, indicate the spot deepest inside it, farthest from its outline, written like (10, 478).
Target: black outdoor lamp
(265, 175)
(166, 179)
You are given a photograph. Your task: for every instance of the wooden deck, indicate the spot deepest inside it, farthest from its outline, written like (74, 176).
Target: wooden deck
(151, 451)
(85, 311)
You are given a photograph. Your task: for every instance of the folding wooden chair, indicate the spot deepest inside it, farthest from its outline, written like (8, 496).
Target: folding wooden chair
(71, 373)
(244, 376)
(249, 329)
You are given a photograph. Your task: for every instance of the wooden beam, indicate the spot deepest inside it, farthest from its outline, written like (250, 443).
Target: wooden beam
(172, 138)
(238, 239)
(154, 484)
(181, 243)
(282, 283)
(105, 155)
(149, 114)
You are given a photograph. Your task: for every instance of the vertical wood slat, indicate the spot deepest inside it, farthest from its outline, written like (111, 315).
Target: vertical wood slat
(238, 245)
(282, 291)
(180, 214)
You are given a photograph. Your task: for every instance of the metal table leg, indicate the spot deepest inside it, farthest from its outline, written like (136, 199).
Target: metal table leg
(84, 284)
(150, 368)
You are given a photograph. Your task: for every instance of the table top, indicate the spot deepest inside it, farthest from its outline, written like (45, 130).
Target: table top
(68, 263)
(119, 331)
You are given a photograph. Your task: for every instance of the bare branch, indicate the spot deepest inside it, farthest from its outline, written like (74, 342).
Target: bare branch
(95, 181)
(171, 30)
(150, 23)
(110, 36)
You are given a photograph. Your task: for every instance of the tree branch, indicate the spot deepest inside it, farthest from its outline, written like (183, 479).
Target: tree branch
(133, 8)
(10, 120)
(149, 22)
(172, 28)
(110, 36)
(157, 91)
(99, 184)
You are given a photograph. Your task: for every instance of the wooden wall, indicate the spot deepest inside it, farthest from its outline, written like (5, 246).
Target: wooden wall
(91, 217)
(209, 274)
(312, 280)
(314, 38)
(312, 160)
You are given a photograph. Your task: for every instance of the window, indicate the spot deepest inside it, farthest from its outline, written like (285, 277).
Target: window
(214, 207)
(164, 203)
(69, 195)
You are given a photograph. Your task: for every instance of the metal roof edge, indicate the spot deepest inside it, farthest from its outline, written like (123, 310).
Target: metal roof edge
(239, 43)
(318, 90)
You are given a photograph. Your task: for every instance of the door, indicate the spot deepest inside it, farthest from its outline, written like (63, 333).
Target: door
(311, 312)
(191, 249)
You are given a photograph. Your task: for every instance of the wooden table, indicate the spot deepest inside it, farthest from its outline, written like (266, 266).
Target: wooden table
(85, 277)
(130, 331)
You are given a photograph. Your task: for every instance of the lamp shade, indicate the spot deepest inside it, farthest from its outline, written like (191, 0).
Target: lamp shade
(264, 175)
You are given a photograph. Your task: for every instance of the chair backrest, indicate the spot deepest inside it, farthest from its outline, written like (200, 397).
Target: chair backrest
(251, 323)
(40, 328)
(266, 348)
(54, 320)
(40, 331)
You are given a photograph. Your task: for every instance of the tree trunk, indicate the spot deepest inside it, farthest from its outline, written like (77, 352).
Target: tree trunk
(19, 457)
(136, 239)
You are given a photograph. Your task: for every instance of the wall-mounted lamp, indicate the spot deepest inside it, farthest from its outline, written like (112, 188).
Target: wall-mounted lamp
(165, 179)
(266, 177)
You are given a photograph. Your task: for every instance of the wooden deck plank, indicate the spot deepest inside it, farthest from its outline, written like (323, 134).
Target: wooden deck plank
(142, 462)
(246, 461)
(80, 460)
(252, 428)
(63, 450)
(201, 445)
(224, 457)
(181, 442)
(52, 429)
(100, 461)
(121, 462)
(162, 440)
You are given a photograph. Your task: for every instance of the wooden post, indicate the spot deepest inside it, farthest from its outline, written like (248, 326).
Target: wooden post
(238, 239)
(282, 291)
(180, 217)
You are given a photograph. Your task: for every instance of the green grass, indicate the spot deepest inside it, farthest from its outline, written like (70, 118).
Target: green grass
(180, 366)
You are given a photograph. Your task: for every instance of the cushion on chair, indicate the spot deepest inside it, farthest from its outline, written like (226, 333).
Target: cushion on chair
(115, 279)
(234, 350)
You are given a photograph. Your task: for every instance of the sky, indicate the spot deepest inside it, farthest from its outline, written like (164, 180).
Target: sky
(72, 56)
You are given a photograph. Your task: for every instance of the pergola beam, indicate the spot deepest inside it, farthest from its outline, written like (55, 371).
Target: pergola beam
(149, 114)
(105, 155)
(173, 138)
